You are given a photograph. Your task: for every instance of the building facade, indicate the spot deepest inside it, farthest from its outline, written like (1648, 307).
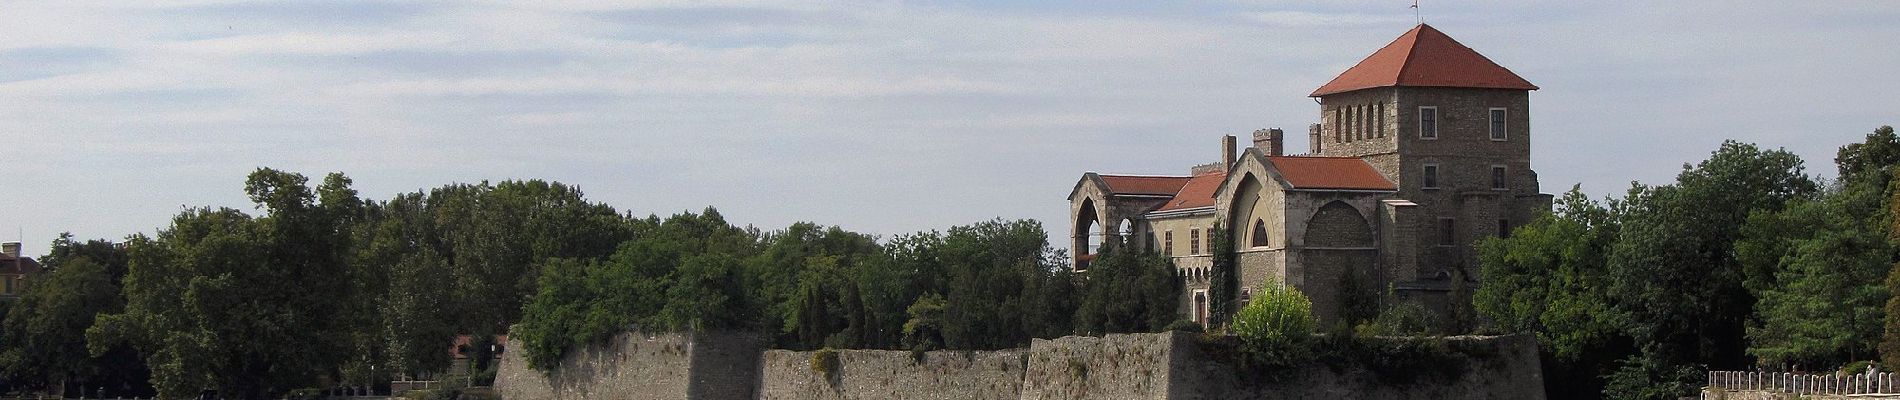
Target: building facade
(14, 270)
(1421, 150)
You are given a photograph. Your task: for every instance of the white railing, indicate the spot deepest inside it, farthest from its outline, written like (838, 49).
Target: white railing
(1806, 384)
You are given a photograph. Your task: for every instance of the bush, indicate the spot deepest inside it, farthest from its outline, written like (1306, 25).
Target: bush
(825, 362)
(1404, 319)
(431, 394)
(1184, 326)
(1276, 326)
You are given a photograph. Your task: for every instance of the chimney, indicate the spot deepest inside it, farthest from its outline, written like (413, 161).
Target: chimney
(1227, 152)
(1312, 138)
(1272, 141)
(11, 248)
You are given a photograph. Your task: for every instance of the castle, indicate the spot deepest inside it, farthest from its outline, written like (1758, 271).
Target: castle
(1423, 148)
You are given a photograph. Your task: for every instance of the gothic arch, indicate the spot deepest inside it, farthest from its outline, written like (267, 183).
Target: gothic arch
(1088, 228)
(1246, 197)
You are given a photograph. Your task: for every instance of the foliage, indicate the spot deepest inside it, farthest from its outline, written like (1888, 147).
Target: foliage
(825, 362)
(1827, 258)
(246, 305)
(1182, 325)
(1224, 278)
(990, 271)
(1128, 292)
(1276, 325)
(587, 301)
(1646, 377)
(1402, 319)
(36, 346)
(1673, 268)
(924, 330)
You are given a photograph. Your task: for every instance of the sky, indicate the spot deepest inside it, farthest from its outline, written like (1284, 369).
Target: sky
(880, 117)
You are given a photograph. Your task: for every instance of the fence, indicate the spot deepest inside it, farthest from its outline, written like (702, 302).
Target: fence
(1805, 384)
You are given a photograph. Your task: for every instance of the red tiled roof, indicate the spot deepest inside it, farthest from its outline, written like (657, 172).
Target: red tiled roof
(18, 265)
(455, 349)
(1424, 56)
(1149, 185)
(1198, 192)
(1350, 173)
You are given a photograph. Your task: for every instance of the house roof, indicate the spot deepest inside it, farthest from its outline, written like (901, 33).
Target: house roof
(1424, 56)
(10, 264)
(1197, 192)
(1343, 173)
(1144, 185)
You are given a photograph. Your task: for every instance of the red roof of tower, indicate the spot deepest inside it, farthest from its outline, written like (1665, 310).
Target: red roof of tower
(1198, 192)
(1424, 56)
(1144, 185)
(1346, 173)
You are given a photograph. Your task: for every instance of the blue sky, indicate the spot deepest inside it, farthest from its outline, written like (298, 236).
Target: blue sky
(881, 117)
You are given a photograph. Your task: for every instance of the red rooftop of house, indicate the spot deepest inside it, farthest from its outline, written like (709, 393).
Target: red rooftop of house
(1424, 56)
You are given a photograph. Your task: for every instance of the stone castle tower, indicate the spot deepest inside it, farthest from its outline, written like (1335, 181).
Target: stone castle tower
(1422, 149)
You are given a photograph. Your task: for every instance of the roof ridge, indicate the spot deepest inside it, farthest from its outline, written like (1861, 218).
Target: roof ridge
(1406, 62)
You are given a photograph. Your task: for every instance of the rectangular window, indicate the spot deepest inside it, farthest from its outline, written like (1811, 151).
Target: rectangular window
(1497, 177)
(9, 280)
(1167, 243)
(1504, 228)
(1431, 176)
(1428, 122)
(1447, 231)
(1497, 123)
(1194, 241)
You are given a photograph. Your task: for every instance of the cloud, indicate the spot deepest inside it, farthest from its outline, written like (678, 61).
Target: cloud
(883, 117)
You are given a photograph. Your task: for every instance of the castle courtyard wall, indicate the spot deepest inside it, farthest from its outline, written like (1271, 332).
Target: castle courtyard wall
(1171, 365)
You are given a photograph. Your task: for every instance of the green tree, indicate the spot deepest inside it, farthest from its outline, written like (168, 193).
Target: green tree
(1826, 260)
(36, 346)
(247, 306)
(1549, 279)
(678, 273)
(988, 268)
(1128, 292)
(1673, 270)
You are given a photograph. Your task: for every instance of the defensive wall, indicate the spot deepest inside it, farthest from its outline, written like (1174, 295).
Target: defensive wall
(1171, 365)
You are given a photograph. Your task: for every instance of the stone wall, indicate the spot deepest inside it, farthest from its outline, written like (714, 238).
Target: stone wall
(897, 375)
(640, 366)
(1507, 369)
(1131, 366)
(1171, 365)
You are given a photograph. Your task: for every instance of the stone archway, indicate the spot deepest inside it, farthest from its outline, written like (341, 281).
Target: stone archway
(1341, 263)
(1088, 233)
(1338, 225)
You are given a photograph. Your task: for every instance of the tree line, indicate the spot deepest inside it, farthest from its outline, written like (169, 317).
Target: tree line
(319, 287)
(1745, 262)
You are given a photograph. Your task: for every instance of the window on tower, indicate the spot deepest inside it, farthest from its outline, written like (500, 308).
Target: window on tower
(1430, 181)
(1428, 122)
(1498, 115)
(1497, 177)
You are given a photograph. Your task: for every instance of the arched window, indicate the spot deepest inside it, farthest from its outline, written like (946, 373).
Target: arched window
(1259, 233)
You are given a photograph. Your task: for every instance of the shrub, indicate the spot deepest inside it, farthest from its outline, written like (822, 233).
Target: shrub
(1276, 326)
(825, 362)
(1184, 326)
(1404, 319)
